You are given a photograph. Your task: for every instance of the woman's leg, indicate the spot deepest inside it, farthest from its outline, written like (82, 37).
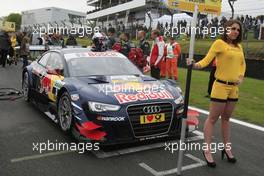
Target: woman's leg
(225, 124)
(216, 109)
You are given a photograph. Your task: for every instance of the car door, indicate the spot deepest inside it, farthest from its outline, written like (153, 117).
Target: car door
(38, 74)
(55, 76)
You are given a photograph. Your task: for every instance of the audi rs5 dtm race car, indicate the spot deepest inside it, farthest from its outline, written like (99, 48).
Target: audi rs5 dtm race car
(102, 96)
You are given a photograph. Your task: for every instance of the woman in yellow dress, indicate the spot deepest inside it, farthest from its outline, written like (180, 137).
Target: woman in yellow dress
(230, 70)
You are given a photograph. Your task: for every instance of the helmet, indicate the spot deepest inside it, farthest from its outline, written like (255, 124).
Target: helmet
(99, 42)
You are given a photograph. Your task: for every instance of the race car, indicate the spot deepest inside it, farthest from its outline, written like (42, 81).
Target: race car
(102, 97)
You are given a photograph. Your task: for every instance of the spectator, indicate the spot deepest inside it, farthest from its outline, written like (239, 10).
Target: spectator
(257, 28)
(166, 25)
(157, 53)
(40, 41)
(173, 51)
(57, 39)
(98, 42)
(125, 44)
(5, 45)
(143, 43)
(71, 41)
(242, 19)
(24, 49)
(111, 38)
(12, 52)
(163, 60)
(223, 21)
(246, 27)
(19, 36)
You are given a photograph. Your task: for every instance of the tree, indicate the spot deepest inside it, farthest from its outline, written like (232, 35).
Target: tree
(231, 3)
(16, 18)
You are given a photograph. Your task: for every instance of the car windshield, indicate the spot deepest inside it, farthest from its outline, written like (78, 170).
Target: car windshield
(80, 67)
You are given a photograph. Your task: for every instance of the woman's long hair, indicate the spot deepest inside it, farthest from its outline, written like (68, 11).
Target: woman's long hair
(228, 24)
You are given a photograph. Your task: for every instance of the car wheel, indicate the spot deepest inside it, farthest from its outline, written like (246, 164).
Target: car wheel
(26, 87)
(65, 112)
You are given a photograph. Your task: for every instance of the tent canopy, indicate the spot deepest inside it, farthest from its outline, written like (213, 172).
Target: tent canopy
(176, 17)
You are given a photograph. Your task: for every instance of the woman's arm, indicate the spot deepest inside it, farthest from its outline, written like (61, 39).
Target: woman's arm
(242, 69)
(216, 48)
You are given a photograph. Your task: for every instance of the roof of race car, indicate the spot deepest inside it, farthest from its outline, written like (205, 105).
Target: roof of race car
(71, 53)
(73, 50)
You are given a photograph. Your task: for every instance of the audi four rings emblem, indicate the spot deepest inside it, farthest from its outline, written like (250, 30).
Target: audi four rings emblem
(151, 109)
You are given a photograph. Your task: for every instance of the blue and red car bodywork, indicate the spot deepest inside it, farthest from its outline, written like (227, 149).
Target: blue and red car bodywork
(135, 116)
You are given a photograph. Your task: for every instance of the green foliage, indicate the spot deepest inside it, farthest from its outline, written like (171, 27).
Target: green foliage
(16, 18)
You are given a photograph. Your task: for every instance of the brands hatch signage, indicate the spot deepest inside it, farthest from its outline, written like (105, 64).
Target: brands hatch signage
(204, 6)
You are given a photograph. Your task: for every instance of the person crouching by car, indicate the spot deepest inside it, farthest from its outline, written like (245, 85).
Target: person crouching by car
(157, 53)
(98, 42)
(24, 49)
(173, 51)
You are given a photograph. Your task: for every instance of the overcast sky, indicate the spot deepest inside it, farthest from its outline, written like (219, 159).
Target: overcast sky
(251, 7)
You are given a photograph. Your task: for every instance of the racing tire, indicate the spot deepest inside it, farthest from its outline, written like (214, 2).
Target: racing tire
(26, 87)
(65, 113)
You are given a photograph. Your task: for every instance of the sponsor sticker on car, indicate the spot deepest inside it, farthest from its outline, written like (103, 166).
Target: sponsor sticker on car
(91, 54)
(111, 119)
(152, 118)
(124, 79)
(142, 96)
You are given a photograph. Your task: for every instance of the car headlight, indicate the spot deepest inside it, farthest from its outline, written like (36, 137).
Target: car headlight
(179, 100)
(179, 89)
(180, 110)
(101, 107)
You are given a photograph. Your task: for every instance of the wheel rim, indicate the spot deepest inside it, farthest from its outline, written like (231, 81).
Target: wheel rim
(25, 86)
(65, 113)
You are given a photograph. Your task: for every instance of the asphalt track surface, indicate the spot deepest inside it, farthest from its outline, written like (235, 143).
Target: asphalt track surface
(21, 125)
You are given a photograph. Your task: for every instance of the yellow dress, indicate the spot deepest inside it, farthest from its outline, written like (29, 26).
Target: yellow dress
(230, 64)
(230, 61)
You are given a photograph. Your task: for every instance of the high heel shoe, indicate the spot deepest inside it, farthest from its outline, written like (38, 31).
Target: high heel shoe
(231, 160)
(209, 164)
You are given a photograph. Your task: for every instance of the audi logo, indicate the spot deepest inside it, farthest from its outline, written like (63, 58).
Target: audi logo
(151, 109)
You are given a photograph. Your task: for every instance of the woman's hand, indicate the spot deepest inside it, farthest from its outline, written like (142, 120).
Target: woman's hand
(191, 62)
(240, 80)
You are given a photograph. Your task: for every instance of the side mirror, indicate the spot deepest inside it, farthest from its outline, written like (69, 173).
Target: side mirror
(52, 72)
(59, 71)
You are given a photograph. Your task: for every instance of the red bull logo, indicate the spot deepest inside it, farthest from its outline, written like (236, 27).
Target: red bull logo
(142, 96)
(46, 83)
